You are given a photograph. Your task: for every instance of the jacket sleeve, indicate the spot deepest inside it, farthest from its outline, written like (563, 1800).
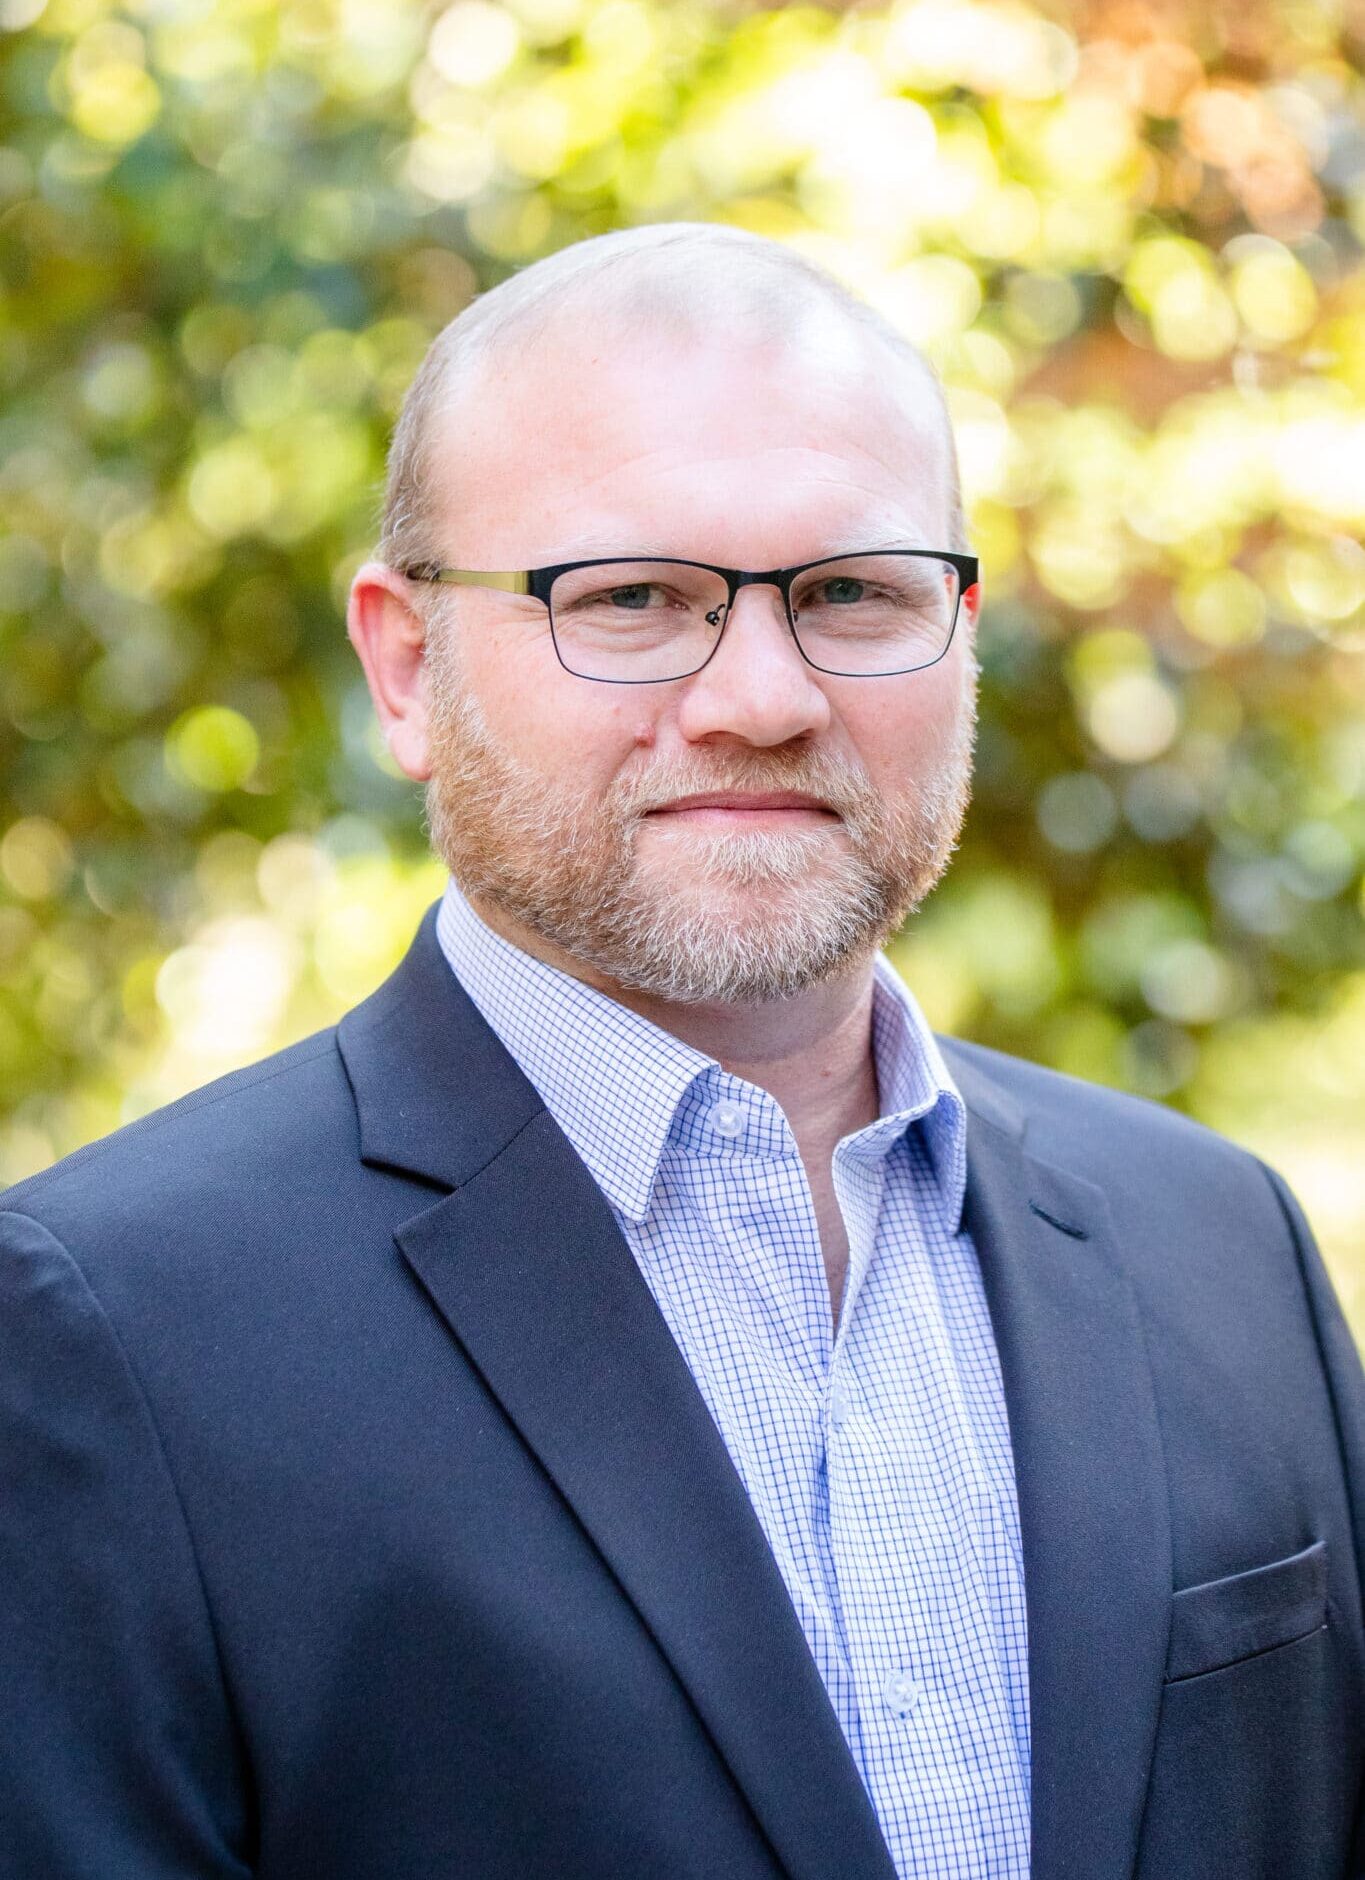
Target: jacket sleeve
(1346, 1382)
(118, 1751)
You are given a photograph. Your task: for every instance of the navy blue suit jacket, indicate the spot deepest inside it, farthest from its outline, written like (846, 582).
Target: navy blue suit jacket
(360, 1520)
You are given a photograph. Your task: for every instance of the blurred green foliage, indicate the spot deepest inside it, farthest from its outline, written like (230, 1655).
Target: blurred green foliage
(1129, 236)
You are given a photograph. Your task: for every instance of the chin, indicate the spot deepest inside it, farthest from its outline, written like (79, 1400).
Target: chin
(749, 864)
(750, 902)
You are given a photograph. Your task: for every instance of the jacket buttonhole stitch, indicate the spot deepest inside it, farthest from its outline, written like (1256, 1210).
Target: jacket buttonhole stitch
(1065, 1227)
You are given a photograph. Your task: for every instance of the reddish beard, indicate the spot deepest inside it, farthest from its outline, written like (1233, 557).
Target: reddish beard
(756, 915)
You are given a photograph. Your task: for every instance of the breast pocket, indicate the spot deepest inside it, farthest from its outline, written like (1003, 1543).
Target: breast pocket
(1222, 1622)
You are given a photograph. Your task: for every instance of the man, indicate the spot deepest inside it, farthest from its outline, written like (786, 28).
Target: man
(628, 1401)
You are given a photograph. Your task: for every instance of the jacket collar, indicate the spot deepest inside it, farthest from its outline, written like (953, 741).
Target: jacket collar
(436, 1093)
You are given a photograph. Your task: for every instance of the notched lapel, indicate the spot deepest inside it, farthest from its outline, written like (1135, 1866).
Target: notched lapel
(527, 1265)
(1092, 1495)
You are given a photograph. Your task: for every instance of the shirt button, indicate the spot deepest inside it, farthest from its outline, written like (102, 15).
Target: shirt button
(901, 1693)
(727, 1119)
(840, 1408)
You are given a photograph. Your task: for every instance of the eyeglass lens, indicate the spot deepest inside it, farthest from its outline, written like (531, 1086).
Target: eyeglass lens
(859, 615)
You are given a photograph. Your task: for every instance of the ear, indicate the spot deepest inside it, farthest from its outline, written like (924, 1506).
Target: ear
(390, 639)
(970, 606)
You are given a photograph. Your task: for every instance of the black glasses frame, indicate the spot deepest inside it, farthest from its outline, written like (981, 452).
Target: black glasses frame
(537, 583)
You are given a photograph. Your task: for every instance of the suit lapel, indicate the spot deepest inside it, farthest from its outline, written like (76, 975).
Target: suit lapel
(1091, 1486)
(526, 1264)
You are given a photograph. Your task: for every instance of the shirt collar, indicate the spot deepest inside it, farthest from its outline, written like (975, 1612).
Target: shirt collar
(914, 1083)
(613, 1081)
(610, 1078)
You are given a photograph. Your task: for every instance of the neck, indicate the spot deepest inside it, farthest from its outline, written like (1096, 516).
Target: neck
(812, 1053)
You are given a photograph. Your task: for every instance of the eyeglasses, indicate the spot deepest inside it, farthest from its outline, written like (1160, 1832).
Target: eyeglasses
(640, 621)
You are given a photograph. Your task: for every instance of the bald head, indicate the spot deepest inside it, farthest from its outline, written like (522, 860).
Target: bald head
(669, 289)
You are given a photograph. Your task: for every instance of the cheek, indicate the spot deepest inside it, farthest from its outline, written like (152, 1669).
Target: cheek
(903, 728)
(575, 733)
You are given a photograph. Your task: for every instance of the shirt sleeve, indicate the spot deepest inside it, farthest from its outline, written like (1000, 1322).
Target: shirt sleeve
(119, 1753)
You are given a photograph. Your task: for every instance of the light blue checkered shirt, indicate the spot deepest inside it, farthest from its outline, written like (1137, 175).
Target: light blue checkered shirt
(877, 1457)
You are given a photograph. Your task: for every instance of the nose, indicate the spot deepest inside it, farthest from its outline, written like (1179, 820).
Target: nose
(755, 686)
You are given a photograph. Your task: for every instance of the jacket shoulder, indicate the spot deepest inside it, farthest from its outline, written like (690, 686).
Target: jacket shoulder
(1094, 1130)
(239, 1132)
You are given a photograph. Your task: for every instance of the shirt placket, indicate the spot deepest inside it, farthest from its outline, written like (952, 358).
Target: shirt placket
(925, 1699)
(760, 1215)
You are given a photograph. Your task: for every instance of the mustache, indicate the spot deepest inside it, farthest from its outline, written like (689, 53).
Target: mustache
(840, 785)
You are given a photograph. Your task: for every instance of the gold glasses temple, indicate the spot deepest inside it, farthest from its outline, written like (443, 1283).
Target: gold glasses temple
(507, 582)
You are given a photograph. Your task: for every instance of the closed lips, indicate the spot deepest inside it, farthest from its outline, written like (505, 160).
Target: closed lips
(733, 800)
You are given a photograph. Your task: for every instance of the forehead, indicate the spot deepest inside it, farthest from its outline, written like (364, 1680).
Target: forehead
(755, 454)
